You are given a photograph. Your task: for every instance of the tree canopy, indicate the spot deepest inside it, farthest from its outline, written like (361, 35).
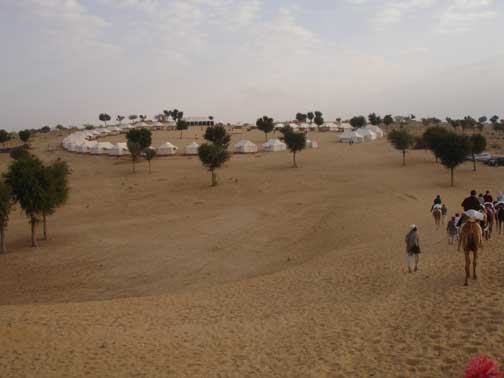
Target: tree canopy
(25, 135)
(265, 124)
(374, 119)
(143, 137)
(310, 116)
(5, 209)
(402, 140)
(295, 142)
(388, 119)
(4, 136)
(181, 126)
(104, 117)
(453, 151)
(217, 135)
(433, 137)
(358, 121)
(301, 117)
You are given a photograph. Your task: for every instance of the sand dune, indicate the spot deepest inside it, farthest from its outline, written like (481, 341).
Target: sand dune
(277, 272)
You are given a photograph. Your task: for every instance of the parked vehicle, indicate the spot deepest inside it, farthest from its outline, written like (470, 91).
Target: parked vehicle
(480, 157)
(495, 161)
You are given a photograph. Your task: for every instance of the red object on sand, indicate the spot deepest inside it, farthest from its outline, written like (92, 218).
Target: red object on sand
(482, 367)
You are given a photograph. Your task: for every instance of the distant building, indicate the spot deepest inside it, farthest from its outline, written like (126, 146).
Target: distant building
(199, 121)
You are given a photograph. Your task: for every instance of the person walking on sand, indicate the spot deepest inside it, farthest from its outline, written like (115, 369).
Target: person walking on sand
(444, 213)
(452, 231)
(412, 247)
(488, 197)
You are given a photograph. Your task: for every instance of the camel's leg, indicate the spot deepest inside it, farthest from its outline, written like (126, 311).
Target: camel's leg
(475, 257)
(467, 267)
(417, 258)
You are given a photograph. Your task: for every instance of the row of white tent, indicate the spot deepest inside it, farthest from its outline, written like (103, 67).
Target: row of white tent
(329, 126)
(367, 133)
(83, 142)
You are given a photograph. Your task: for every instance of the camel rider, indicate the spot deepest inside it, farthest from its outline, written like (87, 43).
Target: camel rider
(437, 201)
(470, 203)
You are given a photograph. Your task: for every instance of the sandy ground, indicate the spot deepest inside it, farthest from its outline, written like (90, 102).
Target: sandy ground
(277, 272)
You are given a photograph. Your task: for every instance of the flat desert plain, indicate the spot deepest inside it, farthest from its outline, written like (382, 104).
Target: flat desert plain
(276, 272)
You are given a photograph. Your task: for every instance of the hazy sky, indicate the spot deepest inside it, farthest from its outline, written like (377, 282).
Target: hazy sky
(65, 61)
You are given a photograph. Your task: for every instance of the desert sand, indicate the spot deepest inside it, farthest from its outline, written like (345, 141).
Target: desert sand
(277, 272)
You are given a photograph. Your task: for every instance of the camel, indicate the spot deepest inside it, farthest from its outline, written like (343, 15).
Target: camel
(489, 222)
(499, 219)
(471, 239)
(436, 213)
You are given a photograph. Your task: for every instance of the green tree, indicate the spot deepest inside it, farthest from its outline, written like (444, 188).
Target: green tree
(150, 153)
(167, 114)
(494, 119)
(310, 116)
(45, 129)
(478, 145)
(4, 137)
(104, 117)
(217, 135)
(175, 114)
(295, 142)
(300, 117)
(453, 151)
(143, 137)
(27, 179)
(25, 135)
(132, 117)
(402, 140)
(181, 125)
(6, 203)
(135, 150)
(213, 156)
(142, 117)
(433, 137)
(19, 153)
(60, 127)
(319, 120)
(358, 121)
(388, 119)
(119, 118)
(56, 193)
(468, 123)
(374, 119)
(482, 119)
(266, 125)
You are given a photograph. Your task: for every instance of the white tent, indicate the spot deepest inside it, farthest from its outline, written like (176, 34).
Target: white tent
(167, 149)
(311, 144)
(274, 145)
(279, 126)
(101, 148)
(119, 149)
(367, 133)
(351, 136)
(245, 147)
(345, 126)
(191, 149)
(375, 129)
(86, 146)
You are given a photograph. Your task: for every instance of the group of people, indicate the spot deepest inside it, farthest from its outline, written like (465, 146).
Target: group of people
(474, 206)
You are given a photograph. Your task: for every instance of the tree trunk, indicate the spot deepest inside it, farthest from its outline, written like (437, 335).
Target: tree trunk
(266, 136)
(451, 169)
(404, 158)
(3, 248)
(474, 162)
(214, 179)
(133, 163)
(149, 166)
(33, 224)
(294, 159)
(45, 226)
(180, 134)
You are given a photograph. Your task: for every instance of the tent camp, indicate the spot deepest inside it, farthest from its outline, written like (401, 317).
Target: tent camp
(244, 147)
(167, 149)
(311, 144)
(191, 149)
(274, 145)
(351, 136)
